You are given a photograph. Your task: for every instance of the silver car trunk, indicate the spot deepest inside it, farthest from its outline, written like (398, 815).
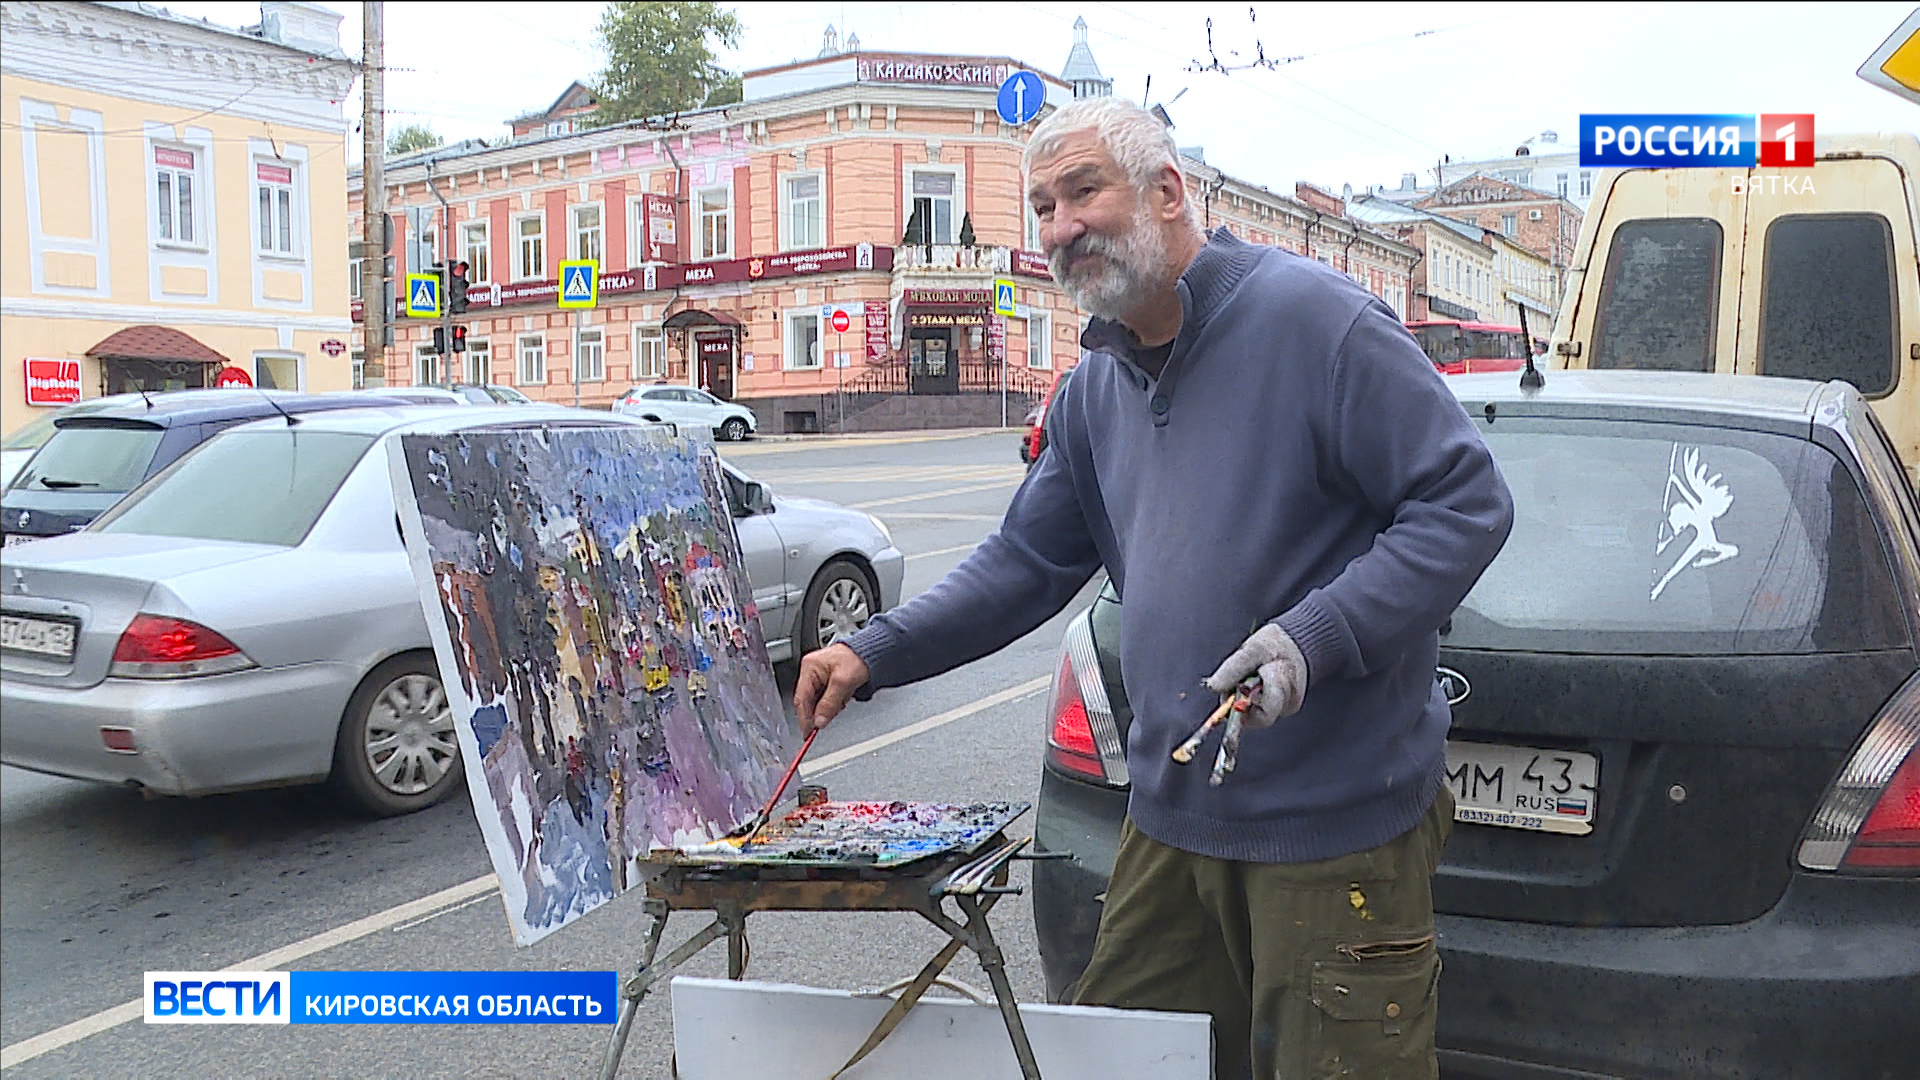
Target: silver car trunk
(101, 580)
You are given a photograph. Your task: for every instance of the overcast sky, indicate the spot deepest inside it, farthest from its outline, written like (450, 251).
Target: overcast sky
(1380, 89)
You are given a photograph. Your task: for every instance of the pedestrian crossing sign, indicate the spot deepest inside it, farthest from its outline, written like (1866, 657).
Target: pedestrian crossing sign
(423, 296)
(1003, 299)
(579, 283)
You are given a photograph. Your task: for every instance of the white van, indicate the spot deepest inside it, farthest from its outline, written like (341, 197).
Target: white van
(1808, 273)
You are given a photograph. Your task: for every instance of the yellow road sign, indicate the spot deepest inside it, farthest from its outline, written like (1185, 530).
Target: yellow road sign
(1003, 297)
(1895, 65)
(423, 296)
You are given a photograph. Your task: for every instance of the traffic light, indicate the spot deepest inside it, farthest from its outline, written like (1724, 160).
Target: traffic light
(457, 288)
(439, 340)
(459, 339)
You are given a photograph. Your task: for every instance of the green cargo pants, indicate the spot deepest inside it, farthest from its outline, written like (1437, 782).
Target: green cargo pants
(1310, 970)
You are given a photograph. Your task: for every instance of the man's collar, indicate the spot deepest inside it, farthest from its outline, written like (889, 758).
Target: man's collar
(1208, 280)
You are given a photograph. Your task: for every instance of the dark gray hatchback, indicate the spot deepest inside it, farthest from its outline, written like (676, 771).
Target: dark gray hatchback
(94, 459)
(1685, 716)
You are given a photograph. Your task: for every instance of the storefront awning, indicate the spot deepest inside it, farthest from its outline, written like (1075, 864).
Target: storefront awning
(680, 320)
(154, 343)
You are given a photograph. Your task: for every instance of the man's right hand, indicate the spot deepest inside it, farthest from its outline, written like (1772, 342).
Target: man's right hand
(828, 677)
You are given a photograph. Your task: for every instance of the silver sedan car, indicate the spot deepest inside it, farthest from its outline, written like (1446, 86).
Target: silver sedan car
(247, 618)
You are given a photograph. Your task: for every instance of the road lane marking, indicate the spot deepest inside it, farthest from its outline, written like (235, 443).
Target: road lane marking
(411, 923)
(933, 494)
(907, 515)
(106, 1019)
(826, 762)
(942, 551)
(439, 903)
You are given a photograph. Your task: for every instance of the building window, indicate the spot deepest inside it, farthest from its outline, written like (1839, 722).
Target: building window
(803, 341)
(273, 192)
(1039, 343)
(933, 204)
(426, 366)
(586, 234)
(559, 127)
(174, 194)
(474, 249)
(531, 262)
(532, 367)
(716, 223)
(649, 353)
(355, 268)
(280, 372)
(589, 356)
(1508, 223)
(1033, 228)
(804, 216)
(1561, 185)
(1586, 184)
(479, 353)
(359, 370)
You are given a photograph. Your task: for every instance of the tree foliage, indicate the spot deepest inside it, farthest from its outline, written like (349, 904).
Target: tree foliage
(660, 58)
(411, 137)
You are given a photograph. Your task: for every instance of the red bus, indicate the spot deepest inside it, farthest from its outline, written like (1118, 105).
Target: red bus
(1462, 348)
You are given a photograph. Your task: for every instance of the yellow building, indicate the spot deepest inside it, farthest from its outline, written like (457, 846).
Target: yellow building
(174, 178)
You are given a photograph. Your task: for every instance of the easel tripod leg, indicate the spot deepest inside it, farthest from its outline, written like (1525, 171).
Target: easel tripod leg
(636, 987)
(995, 965)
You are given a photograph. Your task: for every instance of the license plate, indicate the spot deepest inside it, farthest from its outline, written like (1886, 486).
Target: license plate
(41, 637)
(1522, 788)
(16, 539)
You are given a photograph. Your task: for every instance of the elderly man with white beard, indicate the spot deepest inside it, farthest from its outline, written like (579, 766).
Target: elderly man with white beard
(1281, 487)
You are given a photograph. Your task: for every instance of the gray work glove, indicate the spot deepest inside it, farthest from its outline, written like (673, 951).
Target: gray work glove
(1271, 654)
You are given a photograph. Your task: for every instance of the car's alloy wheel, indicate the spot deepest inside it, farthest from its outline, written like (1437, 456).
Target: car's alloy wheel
(397, 751)
(839, 601)
(734, 430)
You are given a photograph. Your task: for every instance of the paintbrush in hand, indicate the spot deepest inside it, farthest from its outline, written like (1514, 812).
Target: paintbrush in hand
(746, 832)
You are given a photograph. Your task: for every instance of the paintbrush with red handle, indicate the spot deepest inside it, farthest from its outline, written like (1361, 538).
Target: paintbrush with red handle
(766, 812)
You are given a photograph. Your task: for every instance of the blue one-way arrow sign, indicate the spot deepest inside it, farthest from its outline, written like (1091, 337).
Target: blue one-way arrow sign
(1020, 98)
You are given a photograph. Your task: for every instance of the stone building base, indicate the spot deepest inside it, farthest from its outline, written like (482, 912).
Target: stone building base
(823, 413)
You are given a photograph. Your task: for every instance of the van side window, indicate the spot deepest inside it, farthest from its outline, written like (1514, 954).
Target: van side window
(1827, 306)
(1659, 297)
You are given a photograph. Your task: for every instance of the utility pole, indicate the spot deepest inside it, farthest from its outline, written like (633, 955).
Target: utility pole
(373, 196)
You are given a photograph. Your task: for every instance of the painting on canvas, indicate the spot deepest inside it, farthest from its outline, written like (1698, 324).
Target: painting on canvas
(613, 695)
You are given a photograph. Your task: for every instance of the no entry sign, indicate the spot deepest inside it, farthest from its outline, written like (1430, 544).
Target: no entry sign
(841, 321)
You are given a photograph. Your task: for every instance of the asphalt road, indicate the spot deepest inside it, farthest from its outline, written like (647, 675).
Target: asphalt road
(98, 886)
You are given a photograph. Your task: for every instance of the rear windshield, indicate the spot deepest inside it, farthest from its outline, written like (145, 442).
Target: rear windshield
(1670, 539)
(262, 487)
(1659, 296)
(93, 459)
(1828, 309)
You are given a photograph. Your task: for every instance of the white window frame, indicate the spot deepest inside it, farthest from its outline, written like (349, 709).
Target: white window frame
(957, 209)
(789, 343)
(520, 242)
(523, 374)
(299, 367)
(598, 371)
(792, 218)
(649, 339)
(1032, 231)
(426, 365)
(479, 351)
(597, 250)
(283, 217)
(703, 252)
(194, 204)
(356, 269)
(479, 270)
(636, 230)
(1509, 224)
(1586, 183)
(359, 361)
(1039, 342)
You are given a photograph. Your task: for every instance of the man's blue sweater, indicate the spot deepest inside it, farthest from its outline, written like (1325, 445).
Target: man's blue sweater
(1297, 460)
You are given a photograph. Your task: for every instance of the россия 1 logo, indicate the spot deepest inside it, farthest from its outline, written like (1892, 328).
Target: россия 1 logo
(1668, 141)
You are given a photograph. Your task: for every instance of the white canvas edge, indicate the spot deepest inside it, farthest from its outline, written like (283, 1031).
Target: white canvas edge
(513, 893)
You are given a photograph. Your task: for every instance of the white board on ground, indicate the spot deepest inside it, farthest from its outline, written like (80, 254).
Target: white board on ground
(724, 1030)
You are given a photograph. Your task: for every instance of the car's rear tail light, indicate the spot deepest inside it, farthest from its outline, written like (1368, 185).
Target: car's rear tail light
(1870, 821)
(163, 647)
(118, 739)
(1082, 737)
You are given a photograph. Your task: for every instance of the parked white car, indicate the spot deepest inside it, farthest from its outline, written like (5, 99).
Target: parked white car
(688, 406)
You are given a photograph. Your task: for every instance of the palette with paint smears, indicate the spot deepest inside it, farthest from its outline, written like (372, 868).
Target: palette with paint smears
(853, 834)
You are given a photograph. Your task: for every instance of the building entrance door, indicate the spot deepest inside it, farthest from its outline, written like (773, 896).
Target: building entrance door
(936, 366)
(715, 351)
